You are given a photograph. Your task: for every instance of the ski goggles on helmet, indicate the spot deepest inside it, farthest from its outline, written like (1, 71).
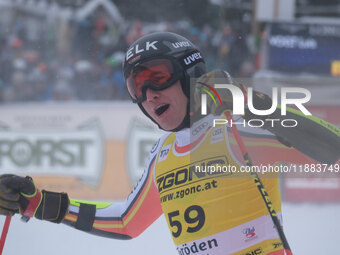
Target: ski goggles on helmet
(156, 74)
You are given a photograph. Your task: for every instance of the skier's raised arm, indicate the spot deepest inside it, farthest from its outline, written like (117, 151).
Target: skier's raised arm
(122, 220)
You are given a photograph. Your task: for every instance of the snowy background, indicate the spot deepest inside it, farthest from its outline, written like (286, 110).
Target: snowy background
(59, 52)
(311, 229)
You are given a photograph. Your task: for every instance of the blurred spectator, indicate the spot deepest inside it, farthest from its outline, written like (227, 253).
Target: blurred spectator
(238, 54)
(117, 77)
(62, 91)
(1, 91)
(17, 90)
(83, 80)
(135, 32)
(83, 61)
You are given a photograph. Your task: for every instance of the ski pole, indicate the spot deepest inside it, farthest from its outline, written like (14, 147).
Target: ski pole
(4, 233)
(259, 185)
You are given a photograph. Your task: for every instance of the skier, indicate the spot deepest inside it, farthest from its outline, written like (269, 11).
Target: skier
(207, 212)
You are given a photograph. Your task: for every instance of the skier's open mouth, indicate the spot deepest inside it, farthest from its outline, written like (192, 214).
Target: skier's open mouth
(161, 109)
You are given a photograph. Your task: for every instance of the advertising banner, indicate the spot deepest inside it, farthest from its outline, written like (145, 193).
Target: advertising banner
(80, 149)
(303, 48)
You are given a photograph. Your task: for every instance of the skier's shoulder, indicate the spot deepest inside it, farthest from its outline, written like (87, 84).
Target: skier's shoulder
(158, 145)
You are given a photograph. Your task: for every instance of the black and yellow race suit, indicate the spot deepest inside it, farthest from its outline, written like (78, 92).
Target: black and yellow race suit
(196, 177)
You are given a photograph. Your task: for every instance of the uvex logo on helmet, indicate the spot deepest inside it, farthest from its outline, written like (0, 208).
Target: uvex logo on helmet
(192, 58)
(181, 44)
(137, 49)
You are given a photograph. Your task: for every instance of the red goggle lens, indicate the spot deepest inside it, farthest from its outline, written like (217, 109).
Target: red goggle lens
(155, 74)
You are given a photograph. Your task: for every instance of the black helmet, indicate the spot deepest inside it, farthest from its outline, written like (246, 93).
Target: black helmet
(178, 54)
(183, 53)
